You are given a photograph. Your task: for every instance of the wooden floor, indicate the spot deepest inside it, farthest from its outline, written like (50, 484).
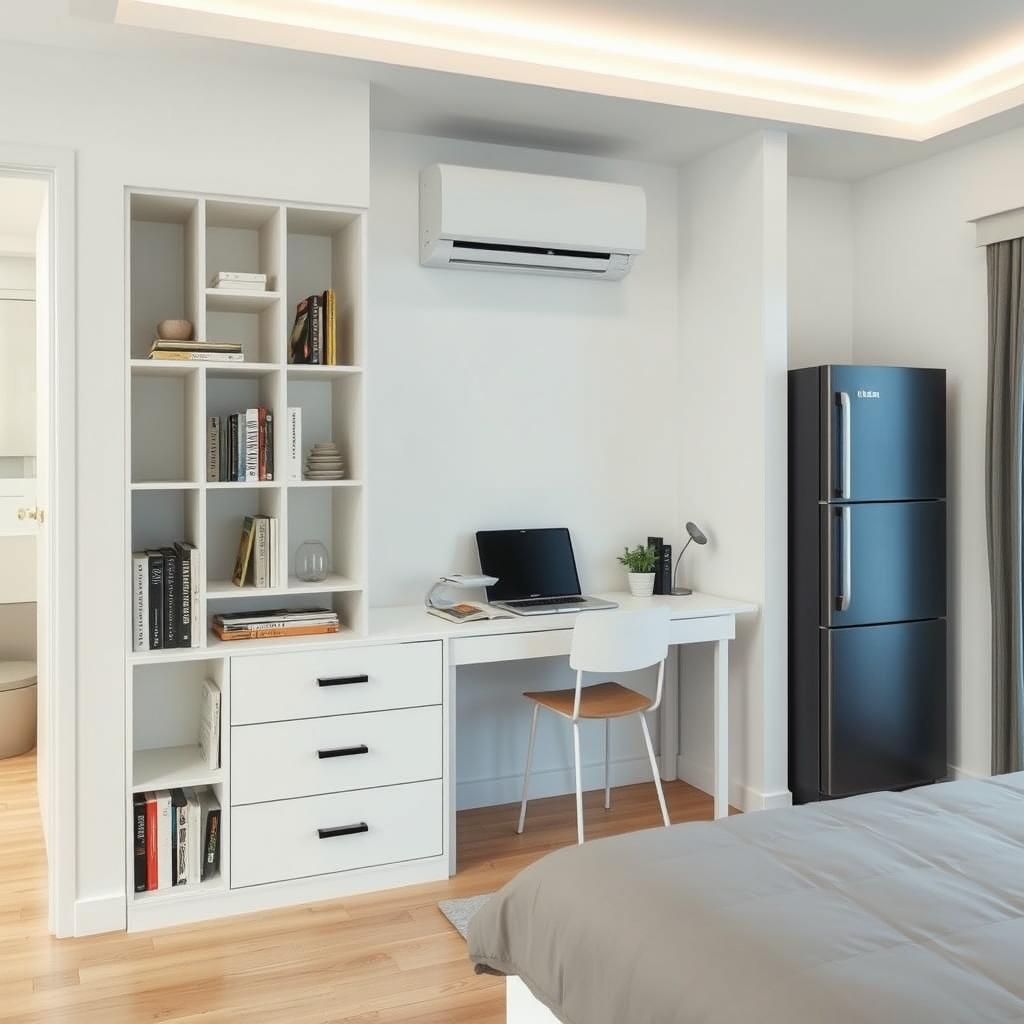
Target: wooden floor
(375, 959)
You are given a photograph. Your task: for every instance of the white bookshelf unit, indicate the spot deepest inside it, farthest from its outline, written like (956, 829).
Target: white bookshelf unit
(175, 243)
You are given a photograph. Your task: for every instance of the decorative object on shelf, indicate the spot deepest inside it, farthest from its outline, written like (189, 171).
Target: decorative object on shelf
(238, 281)
(640, 563)
(460, 612)
(312, 562)
(324, 462)
(697, 536)
(174, 330)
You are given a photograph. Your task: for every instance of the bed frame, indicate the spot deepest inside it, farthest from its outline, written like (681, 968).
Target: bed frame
(522, 1007)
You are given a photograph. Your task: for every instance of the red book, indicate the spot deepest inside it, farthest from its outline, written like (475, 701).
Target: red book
(151, 868)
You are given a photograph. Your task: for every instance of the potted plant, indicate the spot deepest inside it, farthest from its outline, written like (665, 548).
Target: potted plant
(640, 562)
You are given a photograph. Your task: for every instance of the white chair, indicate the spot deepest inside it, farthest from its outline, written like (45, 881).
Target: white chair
(606, 642)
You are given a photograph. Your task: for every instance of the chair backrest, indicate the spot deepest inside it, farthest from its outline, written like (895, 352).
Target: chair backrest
(619, 641)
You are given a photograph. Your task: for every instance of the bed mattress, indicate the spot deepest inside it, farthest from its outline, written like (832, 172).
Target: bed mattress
(892, 907)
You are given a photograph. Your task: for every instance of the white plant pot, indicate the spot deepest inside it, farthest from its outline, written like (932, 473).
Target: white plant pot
(641, 584)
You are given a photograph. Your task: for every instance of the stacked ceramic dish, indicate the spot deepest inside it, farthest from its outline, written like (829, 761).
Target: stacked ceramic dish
(324, 462)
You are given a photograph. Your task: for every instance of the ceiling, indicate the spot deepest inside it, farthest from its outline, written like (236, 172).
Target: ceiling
(494, 105)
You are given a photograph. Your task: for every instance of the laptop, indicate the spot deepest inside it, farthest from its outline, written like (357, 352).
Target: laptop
(536, 572)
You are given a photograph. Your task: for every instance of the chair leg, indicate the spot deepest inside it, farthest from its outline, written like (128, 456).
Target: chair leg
(579, 782)
(526, 774)
(654, 769)
(607, 748)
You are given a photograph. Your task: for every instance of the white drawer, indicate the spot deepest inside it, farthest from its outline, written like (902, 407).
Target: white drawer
(312, 684)
(330, 755)
(282, 840)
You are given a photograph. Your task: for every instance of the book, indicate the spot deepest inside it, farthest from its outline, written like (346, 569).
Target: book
(187, 554)
(658, 543)
(261, 436)
(298, 340)
(240, 286)
(275, 552)
(330, 320)
(244, 552)
(164, 345)
(191, 552)
(261, 552)
(237, 277)
(172, 597)
(179, 844)
(210, 816)
(156, 599)
(664, 571)
(269, 442)
(293, 468)
(209, 724)
(252, 445)
(315, 329)
(140, 601)
(152, 871)
(233, 448)
(468, 611)
(213, 448)
(270, 631)
(199, 357)
(163, 838)
(195, 836)
(139, 836)
(275, 615)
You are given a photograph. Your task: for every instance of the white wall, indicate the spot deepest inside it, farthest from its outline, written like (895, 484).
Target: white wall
(513, 400)
(820, 272)
(920, 299)
(151, 122)
(732, 454)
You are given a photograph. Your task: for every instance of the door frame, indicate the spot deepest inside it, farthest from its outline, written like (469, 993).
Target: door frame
(56, 166)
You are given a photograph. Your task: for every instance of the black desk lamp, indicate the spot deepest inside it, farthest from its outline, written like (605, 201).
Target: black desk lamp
(696, 535)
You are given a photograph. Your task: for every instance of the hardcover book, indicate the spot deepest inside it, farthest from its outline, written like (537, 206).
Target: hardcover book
(156, 599)
(213, 448)
(294, 449)
(179, 845)
(139, 846)
(172, 597)
(209, 724)
(140, 601)
(658, 543)
(244, 552)
(187, 598)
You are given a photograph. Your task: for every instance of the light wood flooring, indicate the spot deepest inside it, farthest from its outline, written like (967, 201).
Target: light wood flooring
(382, 958)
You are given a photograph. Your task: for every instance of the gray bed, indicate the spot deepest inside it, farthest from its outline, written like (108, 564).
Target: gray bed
(885, 908)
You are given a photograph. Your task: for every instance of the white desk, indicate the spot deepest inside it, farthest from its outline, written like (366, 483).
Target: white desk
(698, 618)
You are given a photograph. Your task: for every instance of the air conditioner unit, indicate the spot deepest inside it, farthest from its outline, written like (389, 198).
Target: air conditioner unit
(475, 219)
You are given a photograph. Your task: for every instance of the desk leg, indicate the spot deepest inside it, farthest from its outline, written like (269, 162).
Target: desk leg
(721, 728)
(452, 788)
(668, 718)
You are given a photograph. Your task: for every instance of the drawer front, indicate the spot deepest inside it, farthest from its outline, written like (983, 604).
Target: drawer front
(281, 760)
(279, 841)
(313, 684)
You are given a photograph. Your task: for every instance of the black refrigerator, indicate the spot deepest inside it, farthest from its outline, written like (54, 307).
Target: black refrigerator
(867, 579)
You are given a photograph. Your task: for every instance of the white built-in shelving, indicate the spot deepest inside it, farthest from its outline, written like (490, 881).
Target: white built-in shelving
(175, 243)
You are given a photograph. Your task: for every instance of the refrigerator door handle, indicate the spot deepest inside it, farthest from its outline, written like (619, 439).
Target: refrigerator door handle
(843, 488)
(845, 589)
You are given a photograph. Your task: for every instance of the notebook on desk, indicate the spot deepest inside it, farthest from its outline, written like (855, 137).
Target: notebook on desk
(536, 571)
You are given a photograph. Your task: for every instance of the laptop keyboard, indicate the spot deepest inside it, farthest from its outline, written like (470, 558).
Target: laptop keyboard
(539, 602)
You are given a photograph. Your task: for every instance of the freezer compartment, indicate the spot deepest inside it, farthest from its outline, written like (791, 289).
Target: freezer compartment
(883, 707)
(882, 562)
(885, 431)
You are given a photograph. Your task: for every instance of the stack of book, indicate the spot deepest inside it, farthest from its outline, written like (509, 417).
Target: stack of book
(197, 351)
(277, 622)
(258, 552)
(314, 337)
(238, 281)
(240, 448)
(176, 837)
(165, 597)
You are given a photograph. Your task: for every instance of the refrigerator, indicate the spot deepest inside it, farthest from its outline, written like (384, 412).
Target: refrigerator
(867, 579)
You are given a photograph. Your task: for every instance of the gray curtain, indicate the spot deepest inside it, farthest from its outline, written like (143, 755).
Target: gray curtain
(1005, 477)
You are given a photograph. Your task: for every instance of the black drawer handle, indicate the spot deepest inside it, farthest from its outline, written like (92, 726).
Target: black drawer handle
(342, 680)
(343, 751)
(342, 830)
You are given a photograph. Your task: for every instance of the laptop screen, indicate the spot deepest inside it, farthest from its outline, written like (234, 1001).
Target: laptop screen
(528, 563)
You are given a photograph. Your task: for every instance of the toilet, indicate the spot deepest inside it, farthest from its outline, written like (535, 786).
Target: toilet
(17, 707)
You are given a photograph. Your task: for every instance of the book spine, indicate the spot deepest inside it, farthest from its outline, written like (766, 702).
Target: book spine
(223, 447)
(139, 831)
(658, 543)
(252, 445)
(185, 595)
(163, 839)
(314, 329)
(332, 328)
(172, 598)
(262, 633)
(211, 859)
(193, 555)
(140, 602)
(213, 448)
(269, 445)
(259, 553)
(180, 811)
(197, 357)
(274, 552)
(665, 569)
(294, 469)
(152, 866)
(261, 431)
(156, 600)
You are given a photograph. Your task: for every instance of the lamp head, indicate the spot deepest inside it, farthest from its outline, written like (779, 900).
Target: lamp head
(697, 535)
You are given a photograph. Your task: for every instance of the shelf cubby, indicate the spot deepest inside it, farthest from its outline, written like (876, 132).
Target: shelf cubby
(165, 447)
(226, 509)
(162, 516)
(332, 410)
(333, 516)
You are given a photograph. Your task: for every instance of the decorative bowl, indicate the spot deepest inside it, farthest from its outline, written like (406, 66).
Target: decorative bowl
(174, 330)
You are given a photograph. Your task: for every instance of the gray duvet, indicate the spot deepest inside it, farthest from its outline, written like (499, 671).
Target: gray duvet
(904, 908)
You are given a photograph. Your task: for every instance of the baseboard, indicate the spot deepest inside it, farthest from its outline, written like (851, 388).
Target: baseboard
(508, 789)
(100, 914)
(700, 775)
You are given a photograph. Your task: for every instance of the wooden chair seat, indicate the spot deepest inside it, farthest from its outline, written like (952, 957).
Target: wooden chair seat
(602, 700)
